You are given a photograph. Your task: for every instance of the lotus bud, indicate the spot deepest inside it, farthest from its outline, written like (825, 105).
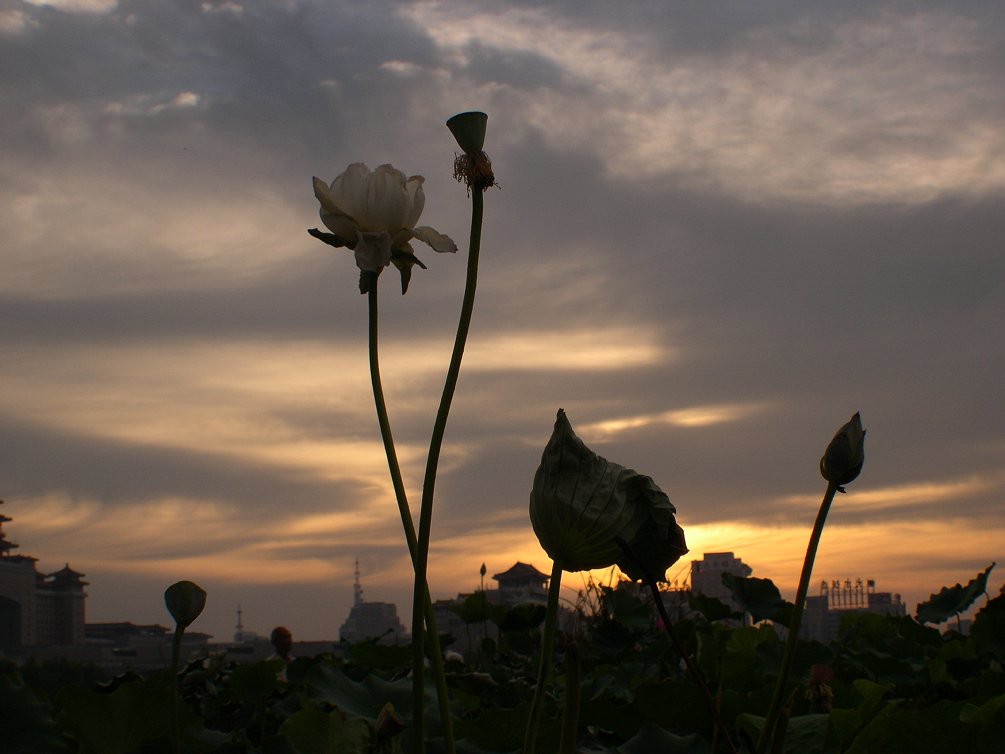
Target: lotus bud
(185, 601)
(842, 461)
(388, 725)
(590, 513)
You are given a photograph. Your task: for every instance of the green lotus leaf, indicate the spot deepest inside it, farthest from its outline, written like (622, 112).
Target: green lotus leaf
(953, 600)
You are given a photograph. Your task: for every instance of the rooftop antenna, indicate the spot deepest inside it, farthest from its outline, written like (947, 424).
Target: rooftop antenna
(357, 589)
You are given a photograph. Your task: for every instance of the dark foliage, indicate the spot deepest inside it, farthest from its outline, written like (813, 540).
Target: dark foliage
(887, 684)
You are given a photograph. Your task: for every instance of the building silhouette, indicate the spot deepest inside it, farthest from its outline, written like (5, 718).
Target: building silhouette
(520, 584)
(371, 620)
(122, 646)
(37, 609)
(823, 613)
(706, 576)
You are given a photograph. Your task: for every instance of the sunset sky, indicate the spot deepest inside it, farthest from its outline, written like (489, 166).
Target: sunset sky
(721, 229)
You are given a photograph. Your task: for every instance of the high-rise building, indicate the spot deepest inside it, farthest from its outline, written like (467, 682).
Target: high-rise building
(706, 576)
(37, 609)
(822, 617)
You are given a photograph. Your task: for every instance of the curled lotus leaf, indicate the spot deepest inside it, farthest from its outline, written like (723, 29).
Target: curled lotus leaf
(588, 512)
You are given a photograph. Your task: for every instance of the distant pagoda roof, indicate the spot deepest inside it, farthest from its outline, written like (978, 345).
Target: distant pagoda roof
(521, 572)
(66, 576)
(67, 571)
(5, 544)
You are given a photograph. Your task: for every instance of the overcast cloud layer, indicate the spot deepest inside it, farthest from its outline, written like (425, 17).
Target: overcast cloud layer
(720, 231)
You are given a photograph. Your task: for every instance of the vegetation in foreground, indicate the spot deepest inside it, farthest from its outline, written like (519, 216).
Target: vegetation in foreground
(886, 684)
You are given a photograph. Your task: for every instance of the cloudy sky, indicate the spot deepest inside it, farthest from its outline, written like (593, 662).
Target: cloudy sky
(721, 230)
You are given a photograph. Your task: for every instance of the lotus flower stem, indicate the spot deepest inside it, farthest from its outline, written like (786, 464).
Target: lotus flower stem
(771, 722)
(544, 670)
(689, 663)
(570, 715)
(384, 422)
(406, 518)
(677, 644)
(185, 601)
(175, 691)
(433, 458)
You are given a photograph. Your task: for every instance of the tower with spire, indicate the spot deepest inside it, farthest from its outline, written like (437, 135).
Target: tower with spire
(357, 588)
(371, 620)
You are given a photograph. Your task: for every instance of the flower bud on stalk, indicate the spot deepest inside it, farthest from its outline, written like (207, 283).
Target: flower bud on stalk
(582, 505)
(843, 459)
(841, 464)
(185, 601)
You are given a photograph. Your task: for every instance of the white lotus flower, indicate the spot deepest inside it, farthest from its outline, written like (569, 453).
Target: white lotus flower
(374, 214)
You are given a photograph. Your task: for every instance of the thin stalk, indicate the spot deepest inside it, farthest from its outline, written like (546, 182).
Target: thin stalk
(385, 424)
(771, 722)
(544, 670)
(433, 458)
(570, 715)
(718, 707)
(678, 645)
(175, 660)
(691, 667)
(778, 745)
(675, 640)
(394, 468)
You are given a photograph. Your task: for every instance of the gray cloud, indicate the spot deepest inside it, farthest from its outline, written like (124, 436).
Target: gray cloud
(36, 462)
(782, 213)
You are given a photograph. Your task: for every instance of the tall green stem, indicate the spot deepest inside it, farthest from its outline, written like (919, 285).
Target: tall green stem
(544, 670)
(678, 645)
(406, 521)
(774, 711)
(433, 458)
(720, 726)
(385, 424)
(175, 692)
(570, 713)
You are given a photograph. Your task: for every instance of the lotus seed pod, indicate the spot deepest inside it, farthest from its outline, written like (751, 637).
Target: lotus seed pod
(469, 130)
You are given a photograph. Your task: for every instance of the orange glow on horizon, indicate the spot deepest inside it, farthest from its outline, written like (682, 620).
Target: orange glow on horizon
(204, 535)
